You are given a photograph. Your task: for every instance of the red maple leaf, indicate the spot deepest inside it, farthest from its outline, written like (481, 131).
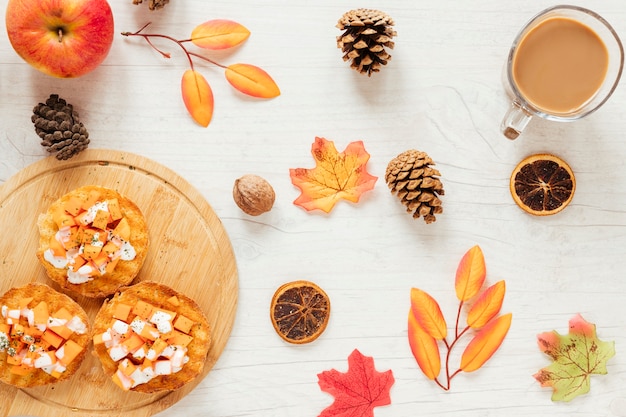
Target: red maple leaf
(357, 391)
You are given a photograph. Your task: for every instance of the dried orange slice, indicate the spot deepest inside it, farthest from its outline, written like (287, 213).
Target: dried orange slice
(542, 184)
(300, 311)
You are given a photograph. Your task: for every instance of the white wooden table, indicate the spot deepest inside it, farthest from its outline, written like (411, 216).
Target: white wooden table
(441, 93)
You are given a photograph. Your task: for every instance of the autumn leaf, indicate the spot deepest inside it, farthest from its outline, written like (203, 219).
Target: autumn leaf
(470, 274)
(427, 326)
(428, 314)
(485, 343)
(576, 356)
(197, 96)
(252, 80)
(487, 305)
(219, 34)
(357, 391)
(424, 348)
(336, 176)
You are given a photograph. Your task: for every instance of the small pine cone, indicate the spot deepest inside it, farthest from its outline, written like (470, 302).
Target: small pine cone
(367, 33)
(153, 4)
(410, 176)
(56, 123)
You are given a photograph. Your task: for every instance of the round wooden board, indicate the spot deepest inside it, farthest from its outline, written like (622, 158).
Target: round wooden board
(189, 251)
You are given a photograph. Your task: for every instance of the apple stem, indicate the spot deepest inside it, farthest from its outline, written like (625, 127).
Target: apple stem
(60, 35)
(179, 42)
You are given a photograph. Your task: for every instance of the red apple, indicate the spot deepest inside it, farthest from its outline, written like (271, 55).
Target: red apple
(63, 38)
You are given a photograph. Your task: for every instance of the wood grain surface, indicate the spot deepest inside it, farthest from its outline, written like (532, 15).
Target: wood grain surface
(189, 251)
(441, 93)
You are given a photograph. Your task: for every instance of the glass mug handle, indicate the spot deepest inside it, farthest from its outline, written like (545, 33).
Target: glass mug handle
(515, 120)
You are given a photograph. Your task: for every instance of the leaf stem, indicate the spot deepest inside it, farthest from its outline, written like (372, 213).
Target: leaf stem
(458, 317)
(180, 43)
(450, 346)
(442, 386)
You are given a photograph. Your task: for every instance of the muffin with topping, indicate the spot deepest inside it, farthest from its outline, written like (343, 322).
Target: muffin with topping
(93, 241)
(151, 338)
(44, 336)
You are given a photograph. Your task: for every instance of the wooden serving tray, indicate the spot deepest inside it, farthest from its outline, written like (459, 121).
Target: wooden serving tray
(189, 251)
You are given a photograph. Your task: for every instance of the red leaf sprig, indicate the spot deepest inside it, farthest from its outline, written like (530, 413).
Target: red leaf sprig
(427, 326)
(357, 391)
(215, 34)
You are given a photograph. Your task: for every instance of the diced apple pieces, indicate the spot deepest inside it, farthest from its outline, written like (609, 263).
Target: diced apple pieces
(100, 260)
(92, 198)
(122, 381)
(57, 248)
(92, 236)
(45, 358)
(5, 328)
(78, 262)
(111, 265)
(52, 339)
(183, 324)
(75, 238)
(40, 313)
(63, 219)
(149, 332)
(143, 309)
(114, 209)
(156, 349)
(110, 248)
(127, 367)
(122, 230)
(40, 341)
(146, 350)
(73, 205)
(83, 219)
(122, 311)
(63, 331)
(97, 230)
(133, 342)
(101, 219)
(63, 314)
(68, 352)
(91, 251)
(178, 338)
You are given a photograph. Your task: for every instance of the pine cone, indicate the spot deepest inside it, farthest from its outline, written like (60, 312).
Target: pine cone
(153, 4)
(367, 34)
(57, 125)
(417, 184)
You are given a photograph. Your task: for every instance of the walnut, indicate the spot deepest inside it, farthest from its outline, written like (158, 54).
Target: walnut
(253, 194)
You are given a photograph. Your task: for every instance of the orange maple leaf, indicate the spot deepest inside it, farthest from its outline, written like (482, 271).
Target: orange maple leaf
(336, 176)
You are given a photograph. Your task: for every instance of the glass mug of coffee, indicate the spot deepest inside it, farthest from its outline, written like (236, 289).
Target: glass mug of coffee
(563, 65)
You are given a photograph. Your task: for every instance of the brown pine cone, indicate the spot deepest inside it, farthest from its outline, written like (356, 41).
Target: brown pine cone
(56, 123)
(153, 4)
(417, 185)
(367, 33)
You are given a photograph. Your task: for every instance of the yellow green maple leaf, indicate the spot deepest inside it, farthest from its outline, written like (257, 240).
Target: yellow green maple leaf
(576, 355)
(336, 176)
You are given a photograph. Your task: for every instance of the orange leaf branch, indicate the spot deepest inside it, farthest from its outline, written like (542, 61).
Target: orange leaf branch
(427, 324)
(147, 37)
(213, 34)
